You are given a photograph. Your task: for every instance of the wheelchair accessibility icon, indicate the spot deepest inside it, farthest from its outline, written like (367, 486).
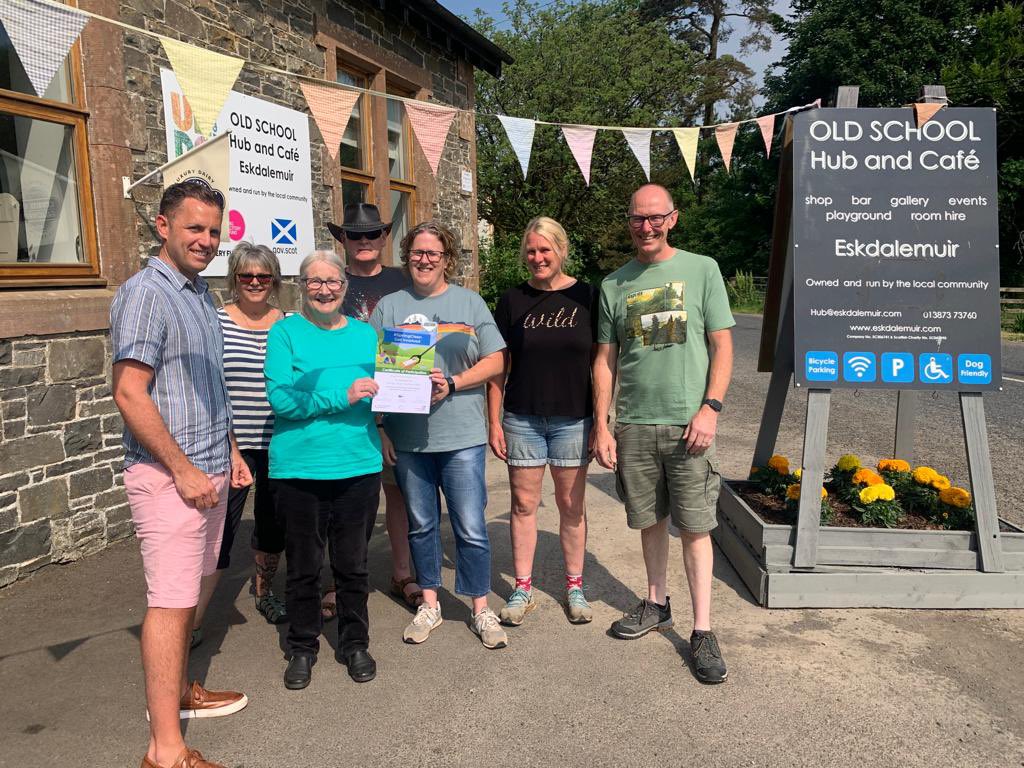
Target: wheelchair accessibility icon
(936, 368)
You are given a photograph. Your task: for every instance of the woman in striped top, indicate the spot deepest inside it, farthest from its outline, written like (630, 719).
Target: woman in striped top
(255, 279)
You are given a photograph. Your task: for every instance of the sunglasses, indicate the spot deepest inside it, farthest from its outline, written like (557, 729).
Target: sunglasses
(247, 277)
(371, 235)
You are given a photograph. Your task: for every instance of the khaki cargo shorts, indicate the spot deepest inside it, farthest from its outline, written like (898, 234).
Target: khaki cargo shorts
(656, 478)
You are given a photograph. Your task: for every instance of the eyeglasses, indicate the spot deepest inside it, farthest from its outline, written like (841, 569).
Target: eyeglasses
(247, 277)
(315, 284)
(420, 255)
(371, 235)
(656, 220)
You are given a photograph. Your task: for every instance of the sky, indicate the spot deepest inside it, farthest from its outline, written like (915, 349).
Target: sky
(758, 61)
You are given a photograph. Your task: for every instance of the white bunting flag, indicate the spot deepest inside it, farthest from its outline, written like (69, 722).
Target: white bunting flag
(581, 143)
(640, 142)
(520, 135)
(42, 34)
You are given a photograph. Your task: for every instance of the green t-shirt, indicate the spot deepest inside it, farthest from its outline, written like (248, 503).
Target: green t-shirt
(467, 332)
(658, 314)
(317, 434)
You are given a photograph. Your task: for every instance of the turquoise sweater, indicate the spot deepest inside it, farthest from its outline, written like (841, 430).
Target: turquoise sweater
(317, 434)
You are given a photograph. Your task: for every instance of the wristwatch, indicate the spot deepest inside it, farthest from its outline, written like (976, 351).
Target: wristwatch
(714, 405)
(451, 385)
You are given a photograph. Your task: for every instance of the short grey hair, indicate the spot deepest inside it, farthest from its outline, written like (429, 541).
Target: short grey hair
(259, 255)
(327, 257)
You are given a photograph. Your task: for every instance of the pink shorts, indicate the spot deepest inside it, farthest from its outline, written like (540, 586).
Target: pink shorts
(179, 544)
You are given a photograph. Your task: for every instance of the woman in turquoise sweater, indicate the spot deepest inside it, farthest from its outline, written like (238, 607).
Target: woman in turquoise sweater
(325, 463)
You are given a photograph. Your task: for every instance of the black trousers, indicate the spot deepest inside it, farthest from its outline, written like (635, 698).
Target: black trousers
(338, 515)
(268, 533)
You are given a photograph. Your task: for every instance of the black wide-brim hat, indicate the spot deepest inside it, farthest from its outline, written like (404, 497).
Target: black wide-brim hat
(359, 217)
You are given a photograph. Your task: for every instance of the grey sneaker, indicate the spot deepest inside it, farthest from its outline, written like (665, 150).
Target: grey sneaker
(423, 623)
(642, 619)
(578, 608)
(485, 625)
(707, 658)
(519, 604)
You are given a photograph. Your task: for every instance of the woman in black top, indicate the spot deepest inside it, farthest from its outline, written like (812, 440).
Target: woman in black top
(549, 325)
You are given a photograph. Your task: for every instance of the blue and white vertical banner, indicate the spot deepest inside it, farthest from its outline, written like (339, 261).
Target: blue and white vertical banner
(270, 200)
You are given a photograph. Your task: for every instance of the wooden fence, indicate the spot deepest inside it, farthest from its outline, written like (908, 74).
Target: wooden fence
(1011, 300)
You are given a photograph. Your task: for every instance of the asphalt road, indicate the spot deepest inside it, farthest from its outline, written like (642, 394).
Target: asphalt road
(864, 422)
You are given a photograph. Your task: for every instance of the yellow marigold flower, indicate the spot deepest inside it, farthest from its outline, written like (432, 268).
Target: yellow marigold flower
(869, 494)
(798, 473)
(793, 492)
(955, 497)
(780, 464)
(848, 462)
(754, 470)
(885, 492)
(924, 475)
(893, 465)
(941, 483)
(945, 515)
(865, 476)
(824, 493)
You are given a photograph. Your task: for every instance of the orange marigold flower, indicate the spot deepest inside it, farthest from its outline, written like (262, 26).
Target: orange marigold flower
(924, 475)
(793, 492)
(865, 476)
(955, 497)
(780, 464)
(893, 465)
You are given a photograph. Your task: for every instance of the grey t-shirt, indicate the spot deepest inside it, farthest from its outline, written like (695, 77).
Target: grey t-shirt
(467, 333)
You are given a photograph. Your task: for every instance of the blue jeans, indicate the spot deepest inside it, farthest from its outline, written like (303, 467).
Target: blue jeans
(460, 474)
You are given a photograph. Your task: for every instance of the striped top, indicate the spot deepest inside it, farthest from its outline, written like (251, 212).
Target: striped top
(167, 322)
(244, 353)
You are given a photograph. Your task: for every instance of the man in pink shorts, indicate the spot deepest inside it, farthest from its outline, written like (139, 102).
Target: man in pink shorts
(179, 454)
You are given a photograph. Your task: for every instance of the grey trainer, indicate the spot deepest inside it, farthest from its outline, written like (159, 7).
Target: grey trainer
(708, 664)
(423, 623)
(577, 607)
(485, 625)
(642, 619)
(520, 603)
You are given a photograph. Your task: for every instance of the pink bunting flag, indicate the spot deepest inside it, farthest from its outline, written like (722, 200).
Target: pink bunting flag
(581, 143)
(430, 123)
(726, 136)
(925, 112)
(331, 109)
(767, 126)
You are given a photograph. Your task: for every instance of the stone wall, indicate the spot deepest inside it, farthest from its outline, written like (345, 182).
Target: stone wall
(61, 494)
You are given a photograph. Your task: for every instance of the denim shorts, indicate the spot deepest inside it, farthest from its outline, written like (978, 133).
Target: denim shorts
(533, 441)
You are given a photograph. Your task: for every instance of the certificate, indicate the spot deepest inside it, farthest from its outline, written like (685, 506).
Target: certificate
(401, 393)
(405, 356)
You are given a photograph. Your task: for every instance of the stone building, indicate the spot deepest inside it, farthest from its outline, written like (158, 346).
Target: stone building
(62, 161)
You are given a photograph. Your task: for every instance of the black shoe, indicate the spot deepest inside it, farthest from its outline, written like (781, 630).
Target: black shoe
(361, 666)
(642, 619)
(707, 658)
(299, 670)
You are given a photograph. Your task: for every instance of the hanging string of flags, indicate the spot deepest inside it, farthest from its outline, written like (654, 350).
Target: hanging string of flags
(43, 31)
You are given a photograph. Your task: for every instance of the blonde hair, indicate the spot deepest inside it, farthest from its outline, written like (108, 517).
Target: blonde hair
(327, 257)
(551, 231)
(259, 255)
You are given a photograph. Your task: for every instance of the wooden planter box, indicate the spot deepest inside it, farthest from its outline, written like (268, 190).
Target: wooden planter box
(866, 567)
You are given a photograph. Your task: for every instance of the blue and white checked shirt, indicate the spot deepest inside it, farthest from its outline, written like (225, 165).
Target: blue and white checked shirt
(160, 318)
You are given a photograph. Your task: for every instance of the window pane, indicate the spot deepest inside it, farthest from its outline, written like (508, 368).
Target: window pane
(13, 77)
(353, 192)
(352, 153)
(400, 216)
(40, 221)
(396, 141)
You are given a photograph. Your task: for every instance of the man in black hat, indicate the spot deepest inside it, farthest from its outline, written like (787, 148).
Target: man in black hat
(364, 237)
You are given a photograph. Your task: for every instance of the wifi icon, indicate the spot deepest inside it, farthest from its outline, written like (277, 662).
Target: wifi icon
(859, 367)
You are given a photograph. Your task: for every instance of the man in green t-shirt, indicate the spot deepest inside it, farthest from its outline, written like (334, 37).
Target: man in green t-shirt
(663, 330)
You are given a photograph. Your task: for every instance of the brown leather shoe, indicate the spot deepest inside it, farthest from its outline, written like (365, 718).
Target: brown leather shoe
(189, 758)
(199, 702)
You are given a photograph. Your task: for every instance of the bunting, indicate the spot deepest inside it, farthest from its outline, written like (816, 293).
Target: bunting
(767, 126)
(42, 34)
(520, 135)
(640, 142)
(925, 112)
(726, 136)
(331, 109)
(430, 123)
(205, 78)
(687, 138)
(581, 143)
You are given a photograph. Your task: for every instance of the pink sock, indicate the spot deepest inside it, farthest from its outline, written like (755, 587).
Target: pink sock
(525, 583)
(573, 582)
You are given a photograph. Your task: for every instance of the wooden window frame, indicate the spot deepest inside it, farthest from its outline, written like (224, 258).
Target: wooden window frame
(74, 114)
